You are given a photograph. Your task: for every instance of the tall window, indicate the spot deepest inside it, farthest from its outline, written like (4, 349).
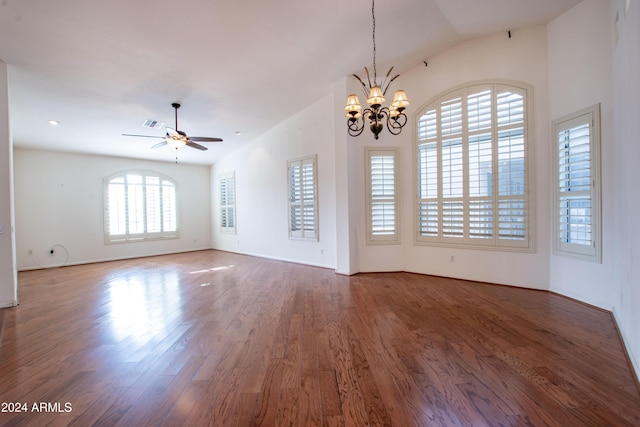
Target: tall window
(140, 205)
(473, 175)
(577, 184)
(228, 202)
(382, 196)
(303, 198)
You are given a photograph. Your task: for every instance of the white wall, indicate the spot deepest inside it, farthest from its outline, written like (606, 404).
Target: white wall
(8, 280)
(261, 189)
(521, 58)
(347, 213)
(625, 245)
(59, 201)
(579, 44)
(594, 57)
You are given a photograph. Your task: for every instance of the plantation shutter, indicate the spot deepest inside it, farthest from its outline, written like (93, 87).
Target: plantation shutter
(428, 176)
(471, 156)
(512, 201)
(577, 185)
(382, 183)
(303, 222)
(227, 202)
(308, 198)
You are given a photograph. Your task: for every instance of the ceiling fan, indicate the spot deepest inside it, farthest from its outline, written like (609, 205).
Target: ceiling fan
(176, 138)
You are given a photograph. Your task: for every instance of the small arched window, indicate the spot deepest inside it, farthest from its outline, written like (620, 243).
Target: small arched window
(140, 205)
(473, 161)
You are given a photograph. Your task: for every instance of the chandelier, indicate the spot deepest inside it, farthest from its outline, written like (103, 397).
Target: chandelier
(377, 114)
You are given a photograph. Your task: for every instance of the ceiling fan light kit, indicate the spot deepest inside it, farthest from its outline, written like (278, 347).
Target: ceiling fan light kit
(177, 139)
(377, 114)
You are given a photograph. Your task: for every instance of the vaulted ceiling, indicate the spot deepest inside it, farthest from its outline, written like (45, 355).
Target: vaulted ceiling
(101, 68)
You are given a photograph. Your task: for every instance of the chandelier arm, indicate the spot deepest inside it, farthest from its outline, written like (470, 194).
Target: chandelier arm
(399, 121)
(396, 124)
(355, 131)
(355, 126)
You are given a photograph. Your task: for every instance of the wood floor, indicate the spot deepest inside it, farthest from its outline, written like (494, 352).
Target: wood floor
(213, 338)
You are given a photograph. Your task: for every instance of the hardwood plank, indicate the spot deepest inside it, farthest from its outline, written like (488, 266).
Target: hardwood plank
(309, 402)
(329, 393)
(353, 405)
(266, 409)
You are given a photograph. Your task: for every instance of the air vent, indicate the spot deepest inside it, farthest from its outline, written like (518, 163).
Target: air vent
(152, 124)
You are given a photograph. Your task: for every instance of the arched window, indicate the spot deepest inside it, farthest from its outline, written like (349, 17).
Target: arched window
(473, 152)
(140, 205)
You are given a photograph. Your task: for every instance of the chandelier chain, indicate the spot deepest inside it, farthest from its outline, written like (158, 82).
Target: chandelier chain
(373, 15)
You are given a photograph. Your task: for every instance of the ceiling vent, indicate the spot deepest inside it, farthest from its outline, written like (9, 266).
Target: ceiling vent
(152, 124)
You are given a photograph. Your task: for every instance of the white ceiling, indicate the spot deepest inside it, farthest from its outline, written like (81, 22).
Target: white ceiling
(104, 67)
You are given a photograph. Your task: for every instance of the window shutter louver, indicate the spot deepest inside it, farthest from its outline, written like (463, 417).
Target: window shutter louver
(574, 185)
(231, 199)
(308, 197)
(383, 219)
(152, 204)
(224, 220)
(479, 111)
(295, 199)
(169, 219)
(428, 180)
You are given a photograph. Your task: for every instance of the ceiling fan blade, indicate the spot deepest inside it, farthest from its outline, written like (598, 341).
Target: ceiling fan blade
(142, 136)
(198, 146)
(159, 144)
(204, 139)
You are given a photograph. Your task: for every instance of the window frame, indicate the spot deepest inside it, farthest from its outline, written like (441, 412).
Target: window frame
(373, 238)
(145, 235)
(593, 251)
(308, 208)
(495, 242)
(225, 206)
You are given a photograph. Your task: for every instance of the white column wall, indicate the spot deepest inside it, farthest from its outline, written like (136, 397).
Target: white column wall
(8, 278)
(579, 77)
(625, 245)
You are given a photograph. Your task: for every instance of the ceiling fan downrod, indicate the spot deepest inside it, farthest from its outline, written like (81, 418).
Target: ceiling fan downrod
(175, 106)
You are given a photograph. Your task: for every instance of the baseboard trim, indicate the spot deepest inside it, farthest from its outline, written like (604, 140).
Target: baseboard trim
(44, 267)
(631, 360)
